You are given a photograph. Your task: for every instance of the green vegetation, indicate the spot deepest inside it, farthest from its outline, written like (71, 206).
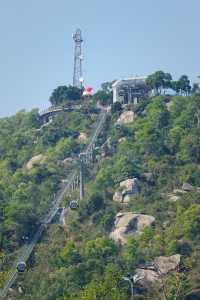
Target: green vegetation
(105, 95)
(81, 261)
(63, 95)
(161, 81)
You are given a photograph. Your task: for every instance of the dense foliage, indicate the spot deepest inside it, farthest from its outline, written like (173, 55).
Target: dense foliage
(63, 95)
(161, 81)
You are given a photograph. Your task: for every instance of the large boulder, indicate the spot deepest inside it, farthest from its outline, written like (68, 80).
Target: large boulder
(166, 264)
(120, 198)
(126, 117)
(179, 192)
(117, 197)
(187, 187)
(83, 137)
(129, 186)
(122, 139)
(147, 277)
(173, 198)
(34, 161)
(161, 266)
(128, 223)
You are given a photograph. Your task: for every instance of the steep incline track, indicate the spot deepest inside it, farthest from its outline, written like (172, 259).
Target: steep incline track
(51, 214)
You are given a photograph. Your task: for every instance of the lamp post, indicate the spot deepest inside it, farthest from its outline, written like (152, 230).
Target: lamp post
(132, 279)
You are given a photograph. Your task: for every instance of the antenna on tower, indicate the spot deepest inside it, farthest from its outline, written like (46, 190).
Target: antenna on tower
(78, 58)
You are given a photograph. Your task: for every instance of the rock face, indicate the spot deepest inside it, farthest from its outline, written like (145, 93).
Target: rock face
(161, 265)
(178, 192)
(169, 104)
(117, 197)
(126, 117)
(35, 160)
(128, 187)
(173, 198)
(122, 139)
(167, 264)
(83, 137)
(187, 187)
(128, 223)
(148, 277)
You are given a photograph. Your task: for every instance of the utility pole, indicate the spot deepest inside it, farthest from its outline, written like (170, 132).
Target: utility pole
(81, 161)
(132, 279)
(78, 57)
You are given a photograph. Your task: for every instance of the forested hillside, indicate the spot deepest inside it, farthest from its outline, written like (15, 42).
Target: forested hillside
(159, 148)
(31, 169)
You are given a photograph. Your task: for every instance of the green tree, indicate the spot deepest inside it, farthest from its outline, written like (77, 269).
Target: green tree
(159, 81)
(116, 107)
(109, 288)
(185, 86)
(100, 247)
(70, 255)
(104, 97)
(195, 88)
(64, 94)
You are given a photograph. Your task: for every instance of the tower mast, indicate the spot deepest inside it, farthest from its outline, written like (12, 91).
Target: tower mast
(78, 57)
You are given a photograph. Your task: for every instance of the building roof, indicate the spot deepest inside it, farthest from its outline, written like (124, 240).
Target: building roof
(131, 80)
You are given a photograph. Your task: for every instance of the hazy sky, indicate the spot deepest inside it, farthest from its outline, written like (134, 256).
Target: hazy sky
(121, 38)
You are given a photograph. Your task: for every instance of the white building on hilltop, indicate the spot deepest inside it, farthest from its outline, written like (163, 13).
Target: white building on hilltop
(130, 90)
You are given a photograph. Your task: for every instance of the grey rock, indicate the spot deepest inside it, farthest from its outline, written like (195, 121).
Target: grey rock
(148, 277)
(128, 223)
(166, 264)
(129, 186)
(117, 197)
(34, 161)
(162, 266)
(179, 192)
(173, 198)
(126, 117)
(187, 187)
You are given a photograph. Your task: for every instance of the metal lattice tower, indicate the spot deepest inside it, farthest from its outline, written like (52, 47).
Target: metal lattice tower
(78, 57)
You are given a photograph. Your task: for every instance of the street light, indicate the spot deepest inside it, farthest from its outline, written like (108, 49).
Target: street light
(132, 279)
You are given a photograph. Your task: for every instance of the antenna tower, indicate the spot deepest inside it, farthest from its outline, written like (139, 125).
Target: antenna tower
(78, 57)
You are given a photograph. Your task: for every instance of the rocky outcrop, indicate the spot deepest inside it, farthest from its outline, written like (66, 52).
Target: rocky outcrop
(177, 193)
(169, 105)
(173, 198)
(166, 264)
(127, 188)
(34, 161)
(161, 266)
(187, 187)
(147, 277)
(122, 139)
(128, 223)
(126, 117)
(117, 197)
(83, 137)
